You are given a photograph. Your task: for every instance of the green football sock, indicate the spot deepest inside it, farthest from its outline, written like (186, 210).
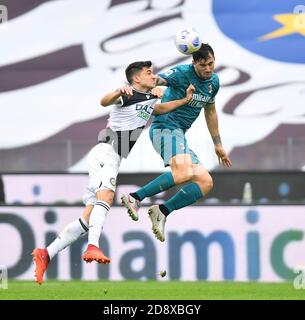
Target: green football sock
(187, 195)
(161, 183)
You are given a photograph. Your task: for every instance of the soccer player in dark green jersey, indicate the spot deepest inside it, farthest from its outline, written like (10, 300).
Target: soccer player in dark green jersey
(167, 134)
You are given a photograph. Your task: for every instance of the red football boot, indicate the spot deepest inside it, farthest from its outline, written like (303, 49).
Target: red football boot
(94, 253)
(41, 259)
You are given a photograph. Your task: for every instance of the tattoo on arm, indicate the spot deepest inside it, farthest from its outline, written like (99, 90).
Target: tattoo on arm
(216, 139)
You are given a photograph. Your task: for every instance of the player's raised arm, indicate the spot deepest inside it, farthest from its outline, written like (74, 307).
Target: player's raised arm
(165, 107)
(114, 97)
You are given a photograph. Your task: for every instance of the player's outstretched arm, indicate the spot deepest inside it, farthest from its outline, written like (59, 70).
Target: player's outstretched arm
(114, 97)
(165, 107)
(212, 123)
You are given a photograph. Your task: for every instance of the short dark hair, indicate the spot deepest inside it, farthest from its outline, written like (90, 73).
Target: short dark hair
(203, 52)
(135, 67)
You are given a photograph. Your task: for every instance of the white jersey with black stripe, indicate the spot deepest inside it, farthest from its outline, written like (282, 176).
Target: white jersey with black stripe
(133, 112)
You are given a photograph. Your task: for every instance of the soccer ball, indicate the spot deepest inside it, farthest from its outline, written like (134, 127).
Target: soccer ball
(188, 40)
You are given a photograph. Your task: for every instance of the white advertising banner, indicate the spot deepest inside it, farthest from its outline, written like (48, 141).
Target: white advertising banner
(44, 188)
(261, 243)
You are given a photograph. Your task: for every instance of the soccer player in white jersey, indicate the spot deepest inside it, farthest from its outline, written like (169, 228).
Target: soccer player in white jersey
(133, 106)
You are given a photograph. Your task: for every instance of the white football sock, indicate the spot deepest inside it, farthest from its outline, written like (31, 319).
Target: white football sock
(70, 234)
(96, 222)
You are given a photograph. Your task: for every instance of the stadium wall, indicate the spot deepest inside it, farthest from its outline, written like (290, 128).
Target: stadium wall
(235, 243)
(63, 188)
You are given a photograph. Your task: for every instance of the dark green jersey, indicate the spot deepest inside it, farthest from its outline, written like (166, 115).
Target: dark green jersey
(178, 79)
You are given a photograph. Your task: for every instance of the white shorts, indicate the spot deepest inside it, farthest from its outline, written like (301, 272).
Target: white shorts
(103, 166)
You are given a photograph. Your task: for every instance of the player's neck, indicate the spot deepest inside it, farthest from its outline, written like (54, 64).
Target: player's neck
(140, 89)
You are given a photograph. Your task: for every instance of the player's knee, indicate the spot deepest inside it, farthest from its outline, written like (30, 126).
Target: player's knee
(183, 175)
(105, 195)
(209, 183)
(206, 184)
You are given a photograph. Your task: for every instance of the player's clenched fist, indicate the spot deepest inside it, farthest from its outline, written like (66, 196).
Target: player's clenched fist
(157, 91)
(127, 90)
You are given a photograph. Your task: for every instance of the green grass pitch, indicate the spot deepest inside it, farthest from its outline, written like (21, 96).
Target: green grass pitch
(149, 290)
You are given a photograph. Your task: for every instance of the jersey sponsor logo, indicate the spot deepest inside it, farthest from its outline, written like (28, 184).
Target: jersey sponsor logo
(199, 100)
(144, 107)
(145, 111)
(276, 29)
(201, 97)
(145, 116)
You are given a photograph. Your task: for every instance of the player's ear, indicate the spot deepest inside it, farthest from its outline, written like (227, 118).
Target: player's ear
(136, 79)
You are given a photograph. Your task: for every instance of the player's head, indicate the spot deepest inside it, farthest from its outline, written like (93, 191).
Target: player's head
(140, 75)
(204, 61)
